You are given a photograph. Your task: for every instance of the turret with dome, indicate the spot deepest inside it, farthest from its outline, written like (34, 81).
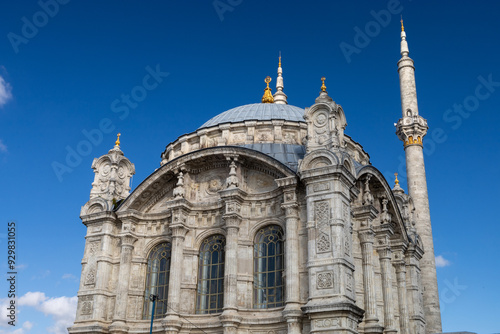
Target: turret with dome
(268, 218)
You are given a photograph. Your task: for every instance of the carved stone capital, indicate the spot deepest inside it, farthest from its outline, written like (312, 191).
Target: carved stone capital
(364, 214)
(179, 231)
(231, 221)
(291, 210)
(366, 236)
(128, 240)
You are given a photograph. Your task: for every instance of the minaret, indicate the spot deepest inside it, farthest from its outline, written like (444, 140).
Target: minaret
(411, 129)
(279, 96)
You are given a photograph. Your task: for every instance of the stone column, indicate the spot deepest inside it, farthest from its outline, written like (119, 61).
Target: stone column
(121, 301)
(385, 255)
(366, 238)
(232, 223)
(172, 323)
(414, 289)
(174, 289)
(366, 214)
(292, 312)
(233, 197)
(403, 302)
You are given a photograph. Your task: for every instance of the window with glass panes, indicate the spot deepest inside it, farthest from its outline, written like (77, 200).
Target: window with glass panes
(210, 291)
(269, 285)
(157, 277)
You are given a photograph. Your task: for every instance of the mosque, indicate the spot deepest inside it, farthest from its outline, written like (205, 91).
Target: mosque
(267, 219)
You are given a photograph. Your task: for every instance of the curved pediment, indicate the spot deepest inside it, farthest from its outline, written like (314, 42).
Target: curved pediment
(204, 174)
(380, 186)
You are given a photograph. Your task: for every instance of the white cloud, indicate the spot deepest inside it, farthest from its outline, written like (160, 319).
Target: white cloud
(5, 91)
(442, 262)
(61, 309)
(4, 303)
(32, 299)
(3, 147)
(27, 325)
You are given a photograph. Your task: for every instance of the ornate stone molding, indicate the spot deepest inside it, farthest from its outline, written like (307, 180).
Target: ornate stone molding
(411, 129)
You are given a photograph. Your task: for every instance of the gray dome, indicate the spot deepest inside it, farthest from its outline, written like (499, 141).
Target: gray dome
(259, 112)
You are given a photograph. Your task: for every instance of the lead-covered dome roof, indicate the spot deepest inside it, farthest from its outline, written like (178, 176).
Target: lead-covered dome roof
(259, 112)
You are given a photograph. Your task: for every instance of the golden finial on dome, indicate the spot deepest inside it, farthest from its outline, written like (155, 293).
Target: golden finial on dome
(402, 27)
(323, 87)
(279, 63)
(268, 97)
(117, 142)
(397, 181)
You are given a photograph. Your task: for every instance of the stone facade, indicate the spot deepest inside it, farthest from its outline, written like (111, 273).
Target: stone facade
(352, 247)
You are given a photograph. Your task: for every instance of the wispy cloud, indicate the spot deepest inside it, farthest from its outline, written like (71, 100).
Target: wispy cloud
(61, 309)
(27, 325)
(3, 147)
(68, 276)
(42, 275)
(442, 262)
(5, 92)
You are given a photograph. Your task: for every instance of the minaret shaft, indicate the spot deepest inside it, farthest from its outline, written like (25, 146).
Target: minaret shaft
(411, 129)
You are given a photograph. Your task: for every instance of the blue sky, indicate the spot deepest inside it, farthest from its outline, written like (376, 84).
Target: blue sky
(65, 70)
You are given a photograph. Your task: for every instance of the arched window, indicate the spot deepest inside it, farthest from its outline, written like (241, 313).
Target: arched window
(268, 255)
(157, 277)
(210, 292)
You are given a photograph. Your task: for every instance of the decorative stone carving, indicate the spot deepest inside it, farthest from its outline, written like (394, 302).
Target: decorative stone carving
(87, 303)
(179, 191)
(325, 280)
(321, 210)
(112, 176)
(411, 129)
(90, 277)
(214, 185)
(232, 180)
(326, 323)
(385, 216)
(324, 244)
(349, 282)
(367, 195)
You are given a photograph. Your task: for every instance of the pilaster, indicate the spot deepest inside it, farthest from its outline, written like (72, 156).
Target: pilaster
(383, 234)
(365, 215)
(292, 312)
(232, 198)
(119, 319)
(400, 265)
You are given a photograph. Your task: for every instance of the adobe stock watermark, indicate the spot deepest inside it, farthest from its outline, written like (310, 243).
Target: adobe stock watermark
(450, 293)
(363, 37)
(39, 19)
(223, 6)
(120, 106)
(455, 115)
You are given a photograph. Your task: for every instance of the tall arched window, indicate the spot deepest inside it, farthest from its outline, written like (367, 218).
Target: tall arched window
(157, 277)
(268, 255)
(210, 293)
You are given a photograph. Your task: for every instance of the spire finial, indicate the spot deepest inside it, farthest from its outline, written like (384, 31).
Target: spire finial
(396, 181)
(279, 97)
(402, 26)
(268, 97)
(323, 87)
(117, 142)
